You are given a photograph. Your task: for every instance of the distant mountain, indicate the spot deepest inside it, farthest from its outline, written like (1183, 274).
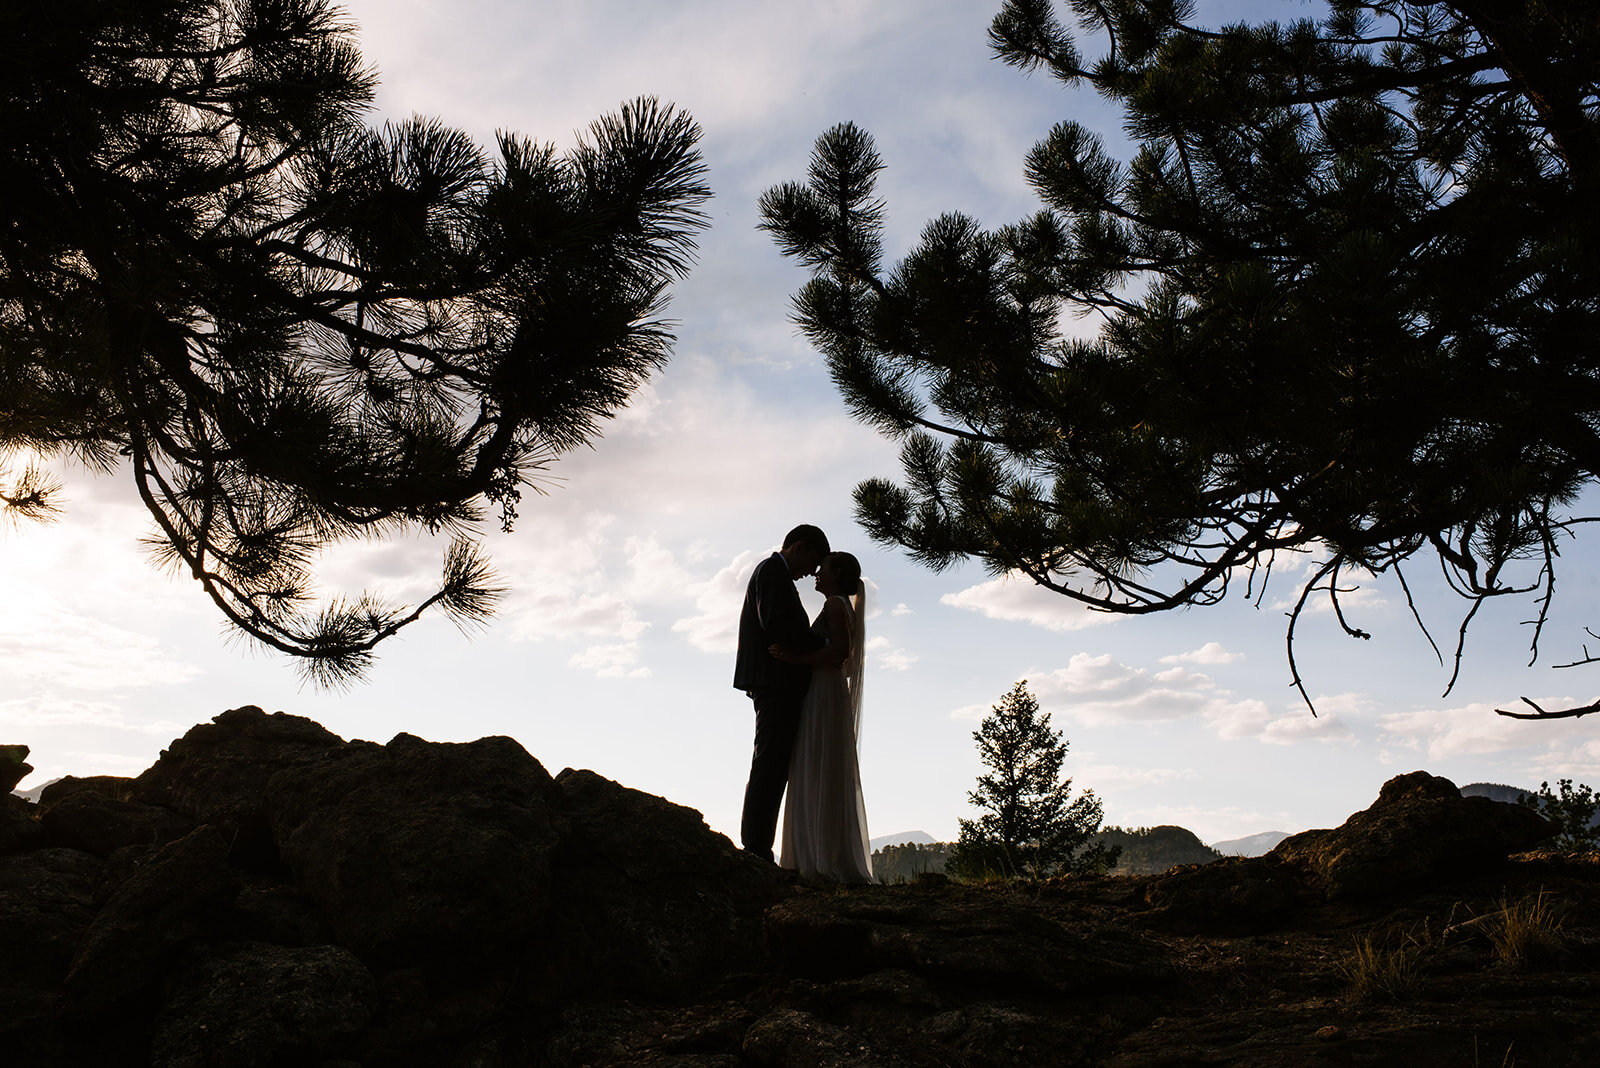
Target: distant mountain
(1495, 791)
(1251, 845)
(901, 838)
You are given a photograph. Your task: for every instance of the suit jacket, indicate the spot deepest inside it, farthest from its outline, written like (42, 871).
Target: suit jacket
(772, 615)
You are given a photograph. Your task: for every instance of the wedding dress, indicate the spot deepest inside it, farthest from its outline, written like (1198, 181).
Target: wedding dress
(824, 814)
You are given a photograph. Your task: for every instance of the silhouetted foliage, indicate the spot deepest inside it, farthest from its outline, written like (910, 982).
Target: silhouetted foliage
(1032, 825)
(1148, 850)
(1341, 299)
(903, 863)
(293, 328)
(1572, 808)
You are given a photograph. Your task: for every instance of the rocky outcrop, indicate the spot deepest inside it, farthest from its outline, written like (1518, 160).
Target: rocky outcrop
(1420, 828)
(268, 894)
(419, 851)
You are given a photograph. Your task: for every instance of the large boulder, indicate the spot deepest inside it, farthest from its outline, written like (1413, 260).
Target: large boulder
(647, 900)
(417, 851)
(170, 899)
(1419, 828)
(217, 773)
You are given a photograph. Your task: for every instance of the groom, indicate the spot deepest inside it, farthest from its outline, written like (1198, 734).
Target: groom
(773, 615)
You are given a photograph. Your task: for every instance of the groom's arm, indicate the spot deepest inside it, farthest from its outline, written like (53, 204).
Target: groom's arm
(783, 617)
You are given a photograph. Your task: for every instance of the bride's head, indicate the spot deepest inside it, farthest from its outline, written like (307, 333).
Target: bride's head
(840, 573)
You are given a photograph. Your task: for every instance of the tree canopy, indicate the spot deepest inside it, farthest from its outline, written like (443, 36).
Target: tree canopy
(294, 328)
(1342, 297)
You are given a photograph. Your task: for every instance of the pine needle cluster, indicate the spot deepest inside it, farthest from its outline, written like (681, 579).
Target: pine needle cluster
(293, 328)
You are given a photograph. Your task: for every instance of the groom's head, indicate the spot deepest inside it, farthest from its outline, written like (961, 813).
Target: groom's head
(804, 548)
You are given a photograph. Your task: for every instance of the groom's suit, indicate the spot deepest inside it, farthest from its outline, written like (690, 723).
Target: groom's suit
(772, 615)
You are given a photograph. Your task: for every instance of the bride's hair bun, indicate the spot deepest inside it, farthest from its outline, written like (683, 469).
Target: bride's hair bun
(848, 570)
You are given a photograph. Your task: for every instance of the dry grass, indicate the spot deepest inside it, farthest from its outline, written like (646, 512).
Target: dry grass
(1528, 933)
(1378, 972)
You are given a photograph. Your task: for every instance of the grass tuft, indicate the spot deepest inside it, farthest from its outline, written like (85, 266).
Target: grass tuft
(1377, 972)
(1527, 934)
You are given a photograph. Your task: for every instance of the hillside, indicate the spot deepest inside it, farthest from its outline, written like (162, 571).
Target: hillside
(1148, 850)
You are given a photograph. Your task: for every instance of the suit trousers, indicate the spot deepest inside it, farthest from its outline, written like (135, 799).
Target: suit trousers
(777, 724)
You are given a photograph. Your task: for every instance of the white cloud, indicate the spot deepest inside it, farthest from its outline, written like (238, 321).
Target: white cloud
(611, 661)
(1209, 653)
(1097, 690)
(890, 659)
(1472, 730)
(52, 710)
(1014, 597)
(653, 572)
(1234, 720)
(714, 627)
(901, 610)
(1104, 778)
(44, 643)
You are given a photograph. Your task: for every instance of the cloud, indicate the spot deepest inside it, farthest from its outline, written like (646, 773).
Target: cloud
(1016, 598)
(1209, 653)
(1472, 730)
(1103, 778)
(45, 643)
(714, 626)
(1097, 690)
(1252, 719)
(654, 573)
(888, 658)
(611, 661)
(52, 710)
(901, 610)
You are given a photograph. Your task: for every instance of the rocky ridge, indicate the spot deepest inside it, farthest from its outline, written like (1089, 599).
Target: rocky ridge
(270, 894)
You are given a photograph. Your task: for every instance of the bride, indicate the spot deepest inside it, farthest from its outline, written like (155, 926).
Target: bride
(824, 816)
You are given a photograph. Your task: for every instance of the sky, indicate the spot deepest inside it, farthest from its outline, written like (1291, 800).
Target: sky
(614, 649)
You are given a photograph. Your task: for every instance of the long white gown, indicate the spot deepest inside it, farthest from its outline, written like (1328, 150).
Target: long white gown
(824, 814)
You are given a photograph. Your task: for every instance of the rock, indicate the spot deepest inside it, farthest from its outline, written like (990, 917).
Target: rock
(14, 766)
(46, 905)
(648, 900)
(420, 851)
(1233, 895)
(99, 823)
(180, 894)
(217, 774)
(117, 786)
(1419, 828)
(792, 1039)
(957, 938)
(259, 1006)
(19, 825)
(991, 1036)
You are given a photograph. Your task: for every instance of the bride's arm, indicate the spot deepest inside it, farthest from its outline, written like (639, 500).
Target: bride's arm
(837, 624)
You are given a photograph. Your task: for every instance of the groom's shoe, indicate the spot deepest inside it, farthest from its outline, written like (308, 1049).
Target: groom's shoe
(760, 854)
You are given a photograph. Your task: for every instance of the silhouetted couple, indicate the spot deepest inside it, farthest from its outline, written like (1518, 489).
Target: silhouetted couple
(805, 681)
